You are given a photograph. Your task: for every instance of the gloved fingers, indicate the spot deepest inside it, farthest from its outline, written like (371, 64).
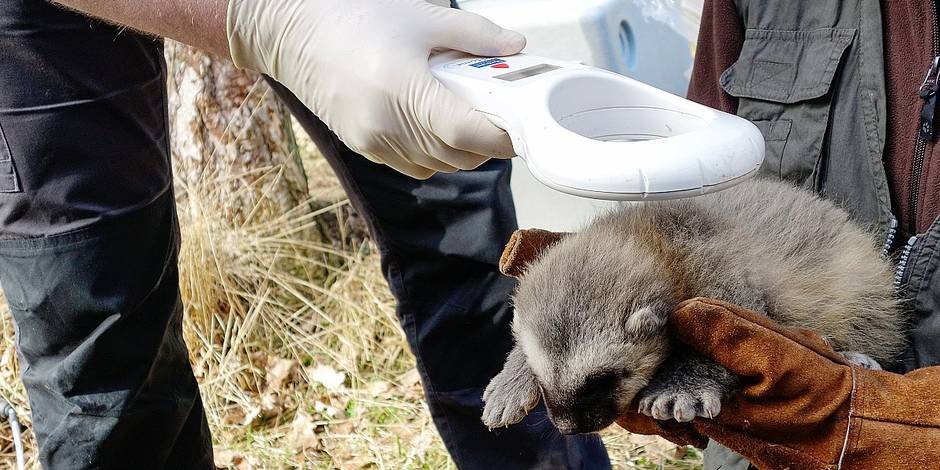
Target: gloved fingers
(429, 152)
(503, 153)
(434, 162)
(753, 346)
(459, 126)
(682, 434)
(410, 169)
(393, 159)
(459, 159)
(468, 32)
(400, 153)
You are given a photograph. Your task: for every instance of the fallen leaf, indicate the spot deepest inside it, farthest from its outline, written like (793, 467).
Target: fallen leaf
(410, 379)
(247, 463)
(302, 435)
(234, 415)
(251, 415)
(680, 453)
(346, 427)
(270, 404)
(356, 463)
(328, 377)
(225, 458)
(231, 460)
(325, 410)
(379, 387)
(277, 373)
(257, 357)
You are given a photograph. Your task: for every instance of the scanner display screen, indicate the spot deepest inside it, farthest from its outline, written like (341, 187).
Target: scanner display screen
(527, 72)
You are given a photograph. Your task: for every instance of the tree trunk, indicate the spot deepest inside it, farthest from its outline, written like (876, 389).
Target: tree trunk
(242, 203)
(231, 137)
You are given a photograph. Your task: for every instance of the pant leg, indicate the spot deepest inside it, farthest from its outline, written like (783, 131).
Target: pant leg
(99, 337)
(89, 243)
(440, 241)
(719, 457)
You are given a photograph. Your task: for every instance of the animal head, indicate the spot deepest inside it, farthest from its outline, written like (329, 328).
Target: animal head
(590, 318)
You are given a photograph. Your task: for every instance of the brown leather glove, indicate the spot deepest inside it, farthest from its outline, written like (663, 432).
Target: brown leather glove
(802, 406)
(524, 247)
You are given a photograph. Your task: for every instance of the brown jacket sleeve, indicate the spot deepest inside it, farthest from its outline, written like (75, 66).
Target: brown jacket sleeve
(719, 44)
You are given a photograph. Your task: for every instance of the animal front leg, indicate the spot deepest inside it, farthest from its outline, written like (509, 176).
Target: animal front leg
(511, 394)
(685, 387)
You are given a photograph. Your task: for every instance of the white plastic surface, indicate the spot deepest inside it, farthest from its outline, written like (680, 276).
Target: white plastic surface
(593, 133)
(652, 41)
(648, 40)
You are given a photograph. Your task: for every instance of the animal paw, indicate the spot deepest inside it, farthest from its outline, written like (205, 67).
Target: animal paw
(681, 405)
(509, 398)
(862, 360)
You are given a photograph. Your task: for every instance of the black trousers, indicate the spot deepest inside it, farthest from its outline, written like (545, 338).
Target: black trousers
(89, 243)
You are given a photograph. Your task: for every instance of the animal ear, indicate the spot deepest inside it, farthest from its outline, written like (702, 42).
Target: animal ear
(524, 247)
(646, 321)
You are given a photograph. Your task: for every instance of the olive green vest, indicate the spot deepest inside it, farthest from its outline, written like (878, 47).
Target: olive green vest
(811, 76)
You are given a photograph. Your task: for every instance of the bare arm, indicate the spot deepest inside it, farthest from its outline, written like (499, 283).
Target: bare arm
(199, 23)
(329, 53)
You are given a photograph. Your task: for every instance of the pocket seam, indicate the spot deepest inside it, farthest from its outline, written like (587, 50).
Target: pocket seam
(26, 247)
(12, 183)
(746, 87)
(775, 135)
(73, 239)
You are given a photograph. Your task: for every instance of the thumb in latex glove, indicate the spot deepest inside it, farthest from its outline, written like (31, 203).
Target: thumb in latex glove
(362, 67)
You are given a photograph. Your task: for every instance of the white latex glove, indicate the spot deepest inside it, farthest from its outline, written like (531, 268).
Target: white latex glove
(362, 67)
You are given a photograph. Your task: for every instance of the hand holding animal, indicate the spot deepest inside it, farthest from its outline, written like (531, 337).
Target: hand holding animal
(804, 406)
(591, 310)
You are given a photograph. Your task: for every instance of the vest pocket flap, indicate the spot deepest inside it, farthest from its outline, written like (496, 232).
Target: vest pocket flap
(787, 66)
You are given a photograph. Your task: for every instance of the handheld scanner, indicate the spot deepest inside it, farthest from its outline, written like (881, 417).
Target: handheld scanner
(593, 133)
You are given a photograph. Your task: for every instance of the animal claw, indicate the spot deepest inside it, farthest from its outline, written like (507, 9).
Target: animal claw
(507, 400)
(680, 405)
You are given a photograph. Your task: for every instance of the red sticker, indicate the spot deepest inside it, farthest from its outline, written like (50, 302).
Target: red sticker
(501, 66)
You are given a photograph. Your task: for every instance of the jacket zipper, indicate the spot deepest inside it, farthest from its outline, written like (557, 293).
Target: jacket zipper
(903, 261)
(889, 239)
(928, 130)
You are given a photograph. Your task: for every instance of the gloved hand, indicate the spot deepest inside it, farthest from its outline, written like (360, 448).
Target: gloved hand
(362, 67)
(802, 405)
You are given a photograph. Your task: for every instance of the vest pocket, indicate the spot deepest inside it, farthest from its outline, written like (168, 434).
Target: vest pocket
(9, 183)
(783, 81)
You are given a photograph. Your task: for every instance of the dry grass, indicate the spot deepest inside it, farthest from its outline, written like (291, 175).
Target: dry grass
(296, 345)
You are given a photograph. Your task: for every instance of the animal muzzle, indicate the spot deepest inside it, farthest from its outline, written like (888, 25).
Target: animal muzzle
(568, 428)
(587, 421)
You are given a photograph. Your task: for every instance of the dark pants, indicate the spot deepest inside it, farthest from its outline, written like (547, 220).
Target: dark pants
(89, 246)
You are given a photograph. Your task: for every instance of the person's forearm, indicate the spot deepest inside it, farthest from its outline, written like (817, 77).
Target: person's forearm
(407, 120)
(199, 23)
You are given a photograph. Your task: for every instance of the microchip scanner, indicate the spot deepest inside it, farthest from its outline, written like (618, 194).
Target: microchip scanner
(593, 133)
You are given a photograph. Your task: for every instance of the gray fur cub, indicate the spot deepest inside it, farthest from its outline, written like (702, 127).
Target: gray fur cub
(591, 312)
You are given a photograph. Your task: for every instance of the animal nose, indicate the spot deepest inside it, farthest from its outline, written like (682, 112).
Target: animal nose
(565, 426)
(568, 430)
